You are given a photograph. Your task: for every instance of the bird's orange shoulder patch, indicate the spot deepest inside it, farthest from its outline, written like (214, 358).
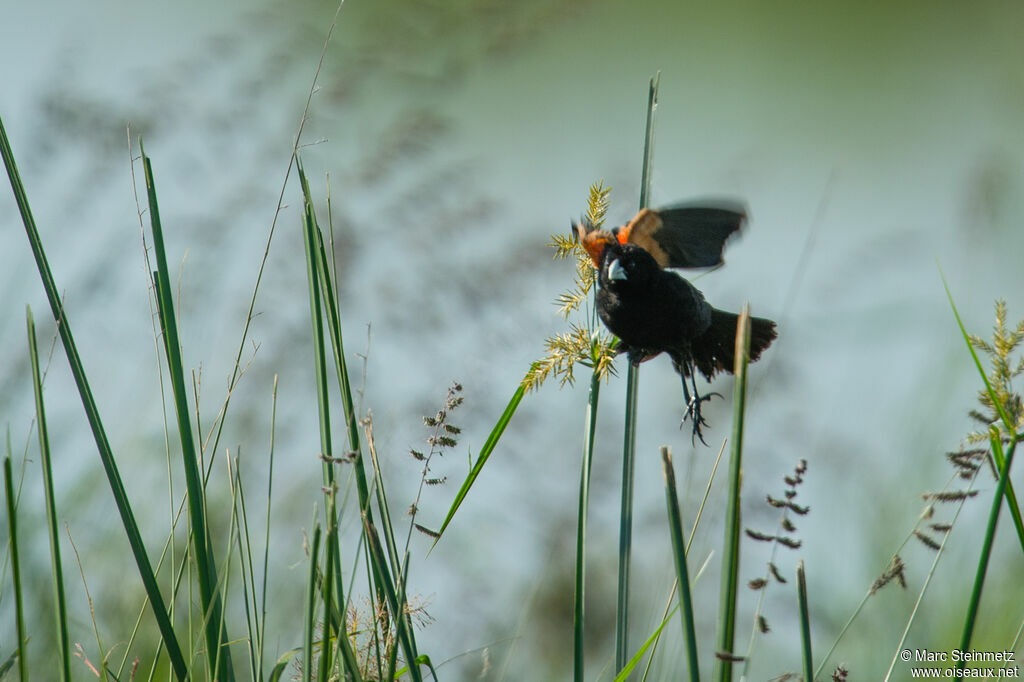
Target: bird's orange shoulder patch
(640, 231)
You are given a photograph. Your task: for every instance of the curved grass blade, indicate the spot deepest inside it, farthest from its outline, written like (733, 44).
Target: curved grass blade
(106, 454)
(215, 631)
(282, 664)
(481, 458)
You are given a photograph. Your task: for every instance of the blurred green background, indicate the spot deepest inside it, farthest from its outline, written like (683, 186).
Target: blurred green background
(870, 141)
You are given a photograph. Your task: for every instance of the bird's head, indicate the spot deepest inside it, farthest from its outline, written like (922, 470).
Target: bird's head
(627, 265)
(593, 240)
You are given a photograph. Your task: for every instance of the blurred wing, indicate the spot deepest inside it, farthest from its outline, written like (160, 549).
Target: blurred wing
(686, 235)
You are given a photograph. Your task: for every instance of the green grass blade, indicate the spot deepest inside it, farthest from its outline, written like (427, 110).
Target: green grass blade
(281, 665)
(648, 644)
(322, 297)
(1011, 495)
(59, 601)
(481, 458)
(645, 176)
(12, 529)
(309, 618)
(689, 542)
(682, 574)
(731, 548)
(579, 600)
(92, 414)
(215, 631)
(330, 622)
(990, 534)
(805, 621)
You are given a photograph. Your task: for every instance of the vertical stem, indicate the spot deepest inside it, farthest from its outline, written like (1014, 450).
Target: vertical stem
(626, 519)
(629, 439)
(581, 528)
(731, 548)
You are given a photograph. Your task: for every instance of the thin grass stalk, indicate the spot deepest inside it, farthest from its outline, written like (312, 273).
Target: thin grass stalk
(19, 609)
(629, 429)
(581, 528)
(292, 160)
(626, 518)
(920, 594)
(266, 540)
(309, 618)
(682, 574)
(805, 622)
(92, 414)
(731, 544)
(245, 566)
(59, 601)
(331, 627)
(223, 586)
(254, 622)
(990, 534)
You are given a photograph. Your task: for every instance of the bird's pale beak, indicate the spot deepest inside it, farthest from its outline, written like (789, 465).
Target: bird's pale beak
(616, 271)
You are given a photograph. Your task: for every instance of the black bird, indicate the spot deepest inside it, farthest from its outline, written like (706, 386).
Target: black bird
(653, 310)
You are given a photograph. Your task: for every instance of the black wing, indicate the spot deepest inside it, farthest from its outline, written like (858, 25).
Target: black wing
(691, 235)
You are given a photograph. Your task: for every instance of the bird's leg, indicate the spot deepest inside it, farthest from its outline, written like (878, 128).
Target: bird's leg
(693, 404)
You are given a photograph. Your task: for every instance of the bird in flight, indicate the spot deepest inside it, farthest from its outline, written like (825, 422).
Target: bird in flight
(653, 310)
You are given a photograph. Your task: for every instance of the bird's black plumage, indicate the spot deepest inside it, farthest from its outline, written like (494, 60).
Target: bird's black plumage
(656, 311)
(653, 310)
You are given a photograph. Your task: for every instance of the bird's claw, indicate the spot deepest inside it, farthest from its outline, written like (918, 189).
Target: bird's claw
(693, 412)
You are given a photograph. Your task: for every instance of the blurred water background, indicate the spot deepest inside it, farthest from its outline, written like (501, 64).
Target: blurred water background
(873, 144)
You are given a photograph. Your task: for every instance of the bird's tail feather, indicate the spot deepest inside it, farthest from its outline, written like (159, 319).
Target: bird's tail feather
(715, 350)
